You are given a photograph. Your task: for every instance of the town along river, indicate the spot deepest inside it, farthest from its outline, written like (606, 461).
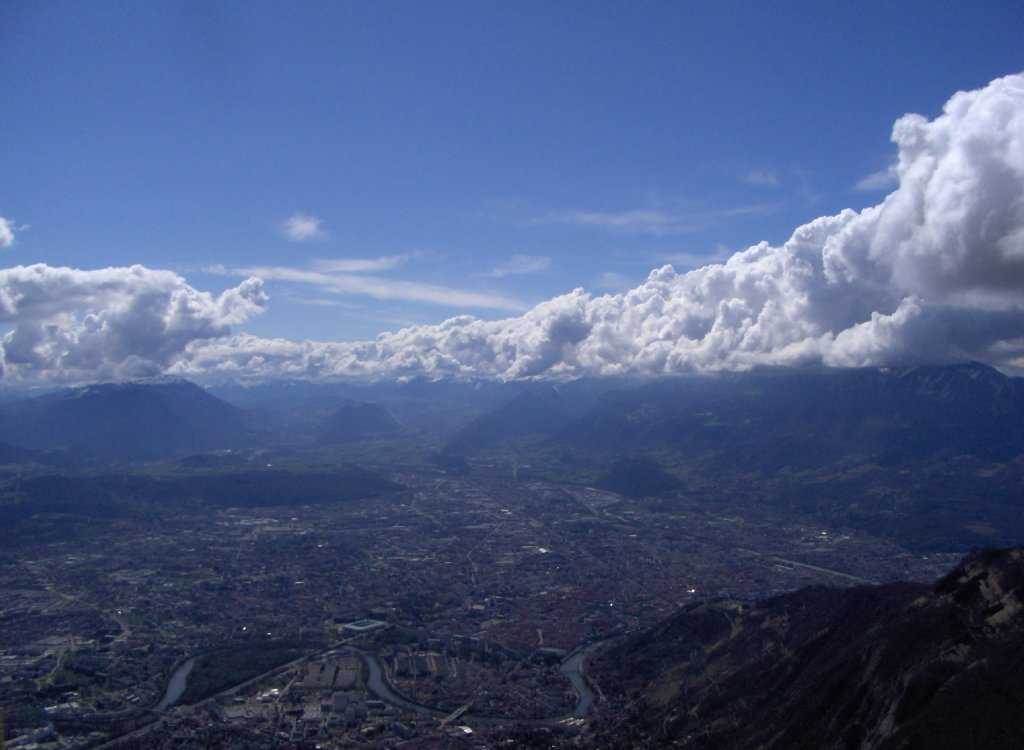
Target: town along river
(572, 669)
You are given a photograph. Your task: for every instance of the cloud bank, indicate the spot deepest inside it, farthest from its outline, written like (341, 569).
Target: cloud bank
(934, 273)
(68, 324)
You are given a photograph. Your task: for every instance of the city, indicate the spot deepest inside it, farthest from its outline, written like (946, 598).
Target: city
(446, 609)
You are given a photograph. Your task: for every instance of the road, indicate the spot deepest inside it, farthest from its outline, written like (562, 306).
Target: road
(817, 569)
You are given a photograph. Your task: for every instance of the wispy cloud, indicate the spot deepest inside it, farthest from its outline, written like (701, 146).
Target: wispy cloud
(686, 260)
(301, 227)
(647, 221)
(377, 287)
(613, 281)
(520, 264)
(883, 179)
(762, 178)
(318, 302)
(323, 302)
(754, 209)
(656, 221)
(7, 228)
(360, 265)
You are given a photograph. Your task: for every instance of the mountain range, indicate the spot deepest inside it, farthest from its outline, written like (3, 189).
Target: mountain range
(124, 421)
(932, 456)
(803, 418)
(766, 419)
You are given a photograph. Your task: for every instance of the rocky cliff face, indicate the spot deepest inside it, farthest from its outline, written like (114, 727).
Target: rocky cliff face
(897, 666)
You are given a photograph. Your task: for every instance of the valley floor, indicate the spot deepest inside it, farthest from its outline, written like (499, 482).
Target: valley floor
(475, 587)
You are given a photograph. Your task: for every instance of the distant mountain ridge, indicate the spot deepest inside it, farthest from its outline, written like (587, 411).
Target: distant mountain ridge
(296, 410)
(763, 421)
(151, 418)
(800, 418)
(889, 667)
(931, 456)
(771, 418)
(537, 411)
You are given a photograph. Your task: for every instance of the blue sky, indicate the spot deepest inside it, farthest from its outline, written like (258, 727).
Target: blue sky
(445, 158)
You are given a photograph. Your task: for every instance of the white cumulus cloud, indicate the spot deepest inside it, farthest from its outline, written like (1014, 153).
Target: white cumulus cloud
(933, 273)
(69, 324)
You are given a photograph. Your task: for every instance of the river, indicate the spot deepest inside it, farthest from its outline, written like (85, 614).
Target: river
(176, 686)
(382, 690)
(572, 668)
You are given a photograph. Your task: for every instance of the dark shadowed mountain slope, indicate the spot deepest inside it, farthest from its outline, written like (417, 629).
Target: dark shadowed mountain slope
(639, 477)
(897, 666)
(810, 418)
(59, 505)
(356, 421)
(538, 411)
(123, 421)
(930, 456)
(294, 411)
(11, 454)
